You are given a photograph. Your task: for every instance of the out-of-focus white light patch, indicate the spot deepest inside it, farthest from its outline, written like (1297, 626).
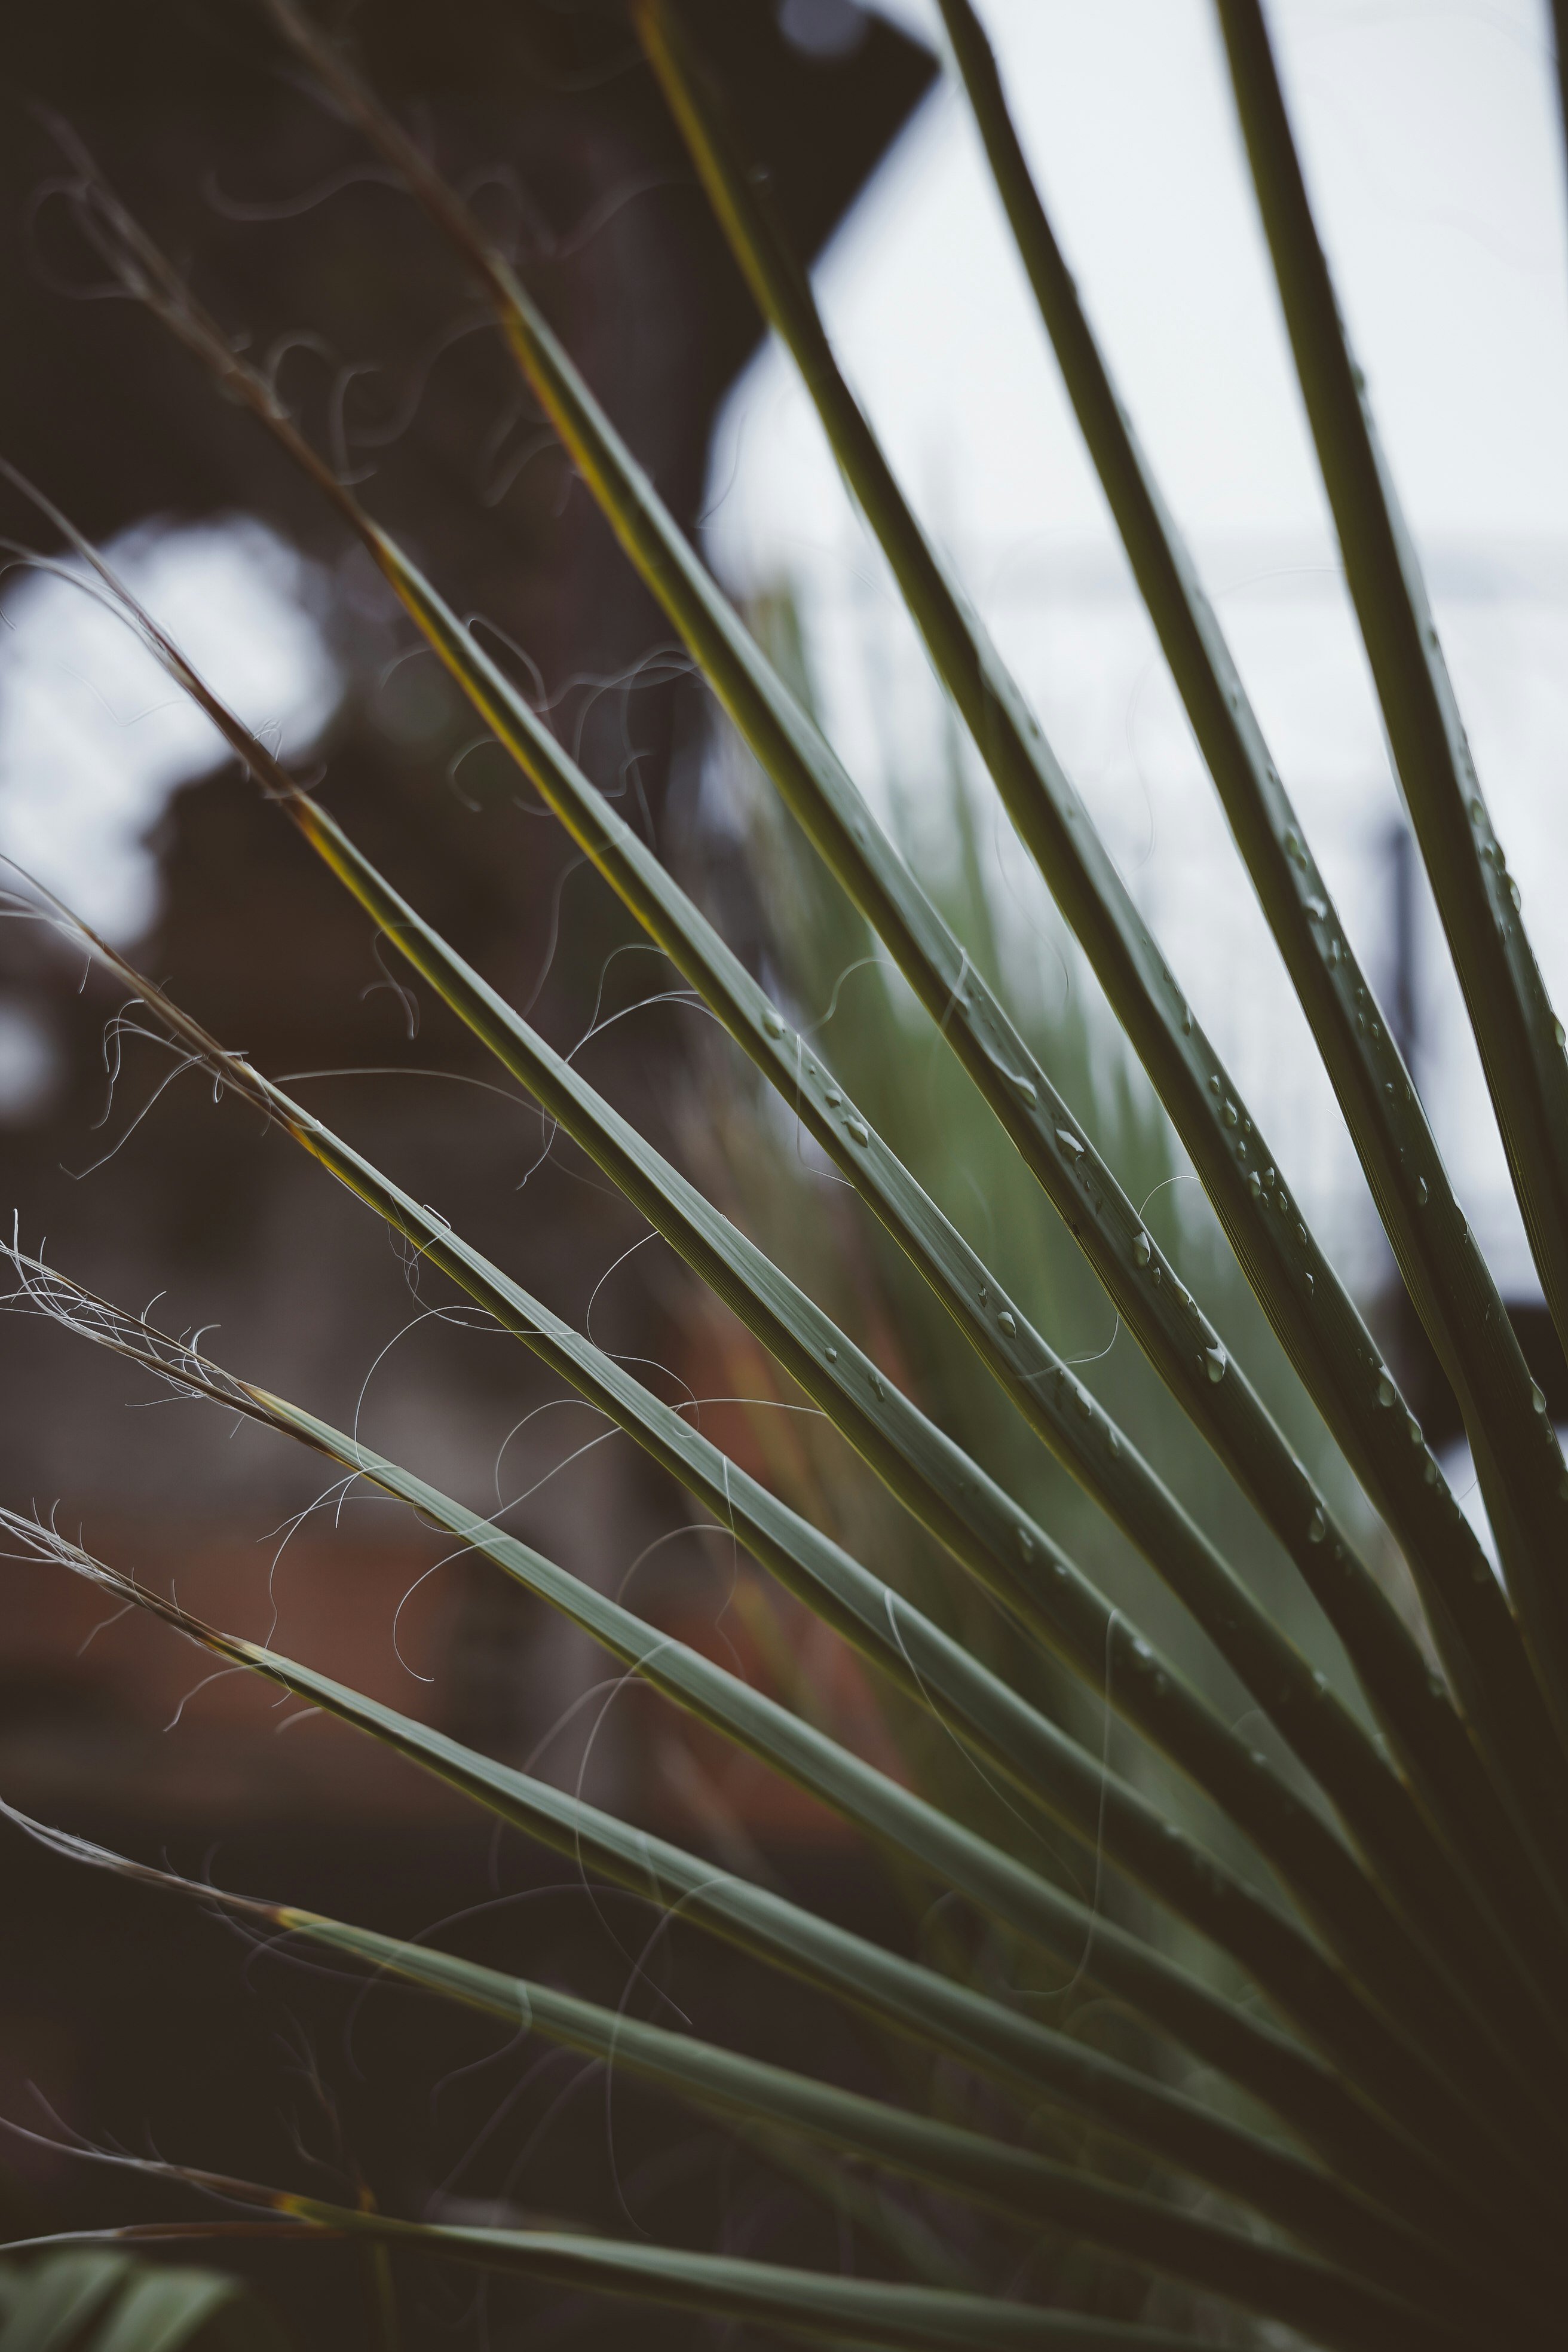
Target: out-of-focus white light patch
(31, 1063)
(95, 738)
(1458, 1467)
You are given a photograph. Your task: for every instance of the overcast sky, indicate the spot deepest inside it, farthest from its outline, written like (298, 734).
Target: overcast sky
(1434, 153)
(1433, 146)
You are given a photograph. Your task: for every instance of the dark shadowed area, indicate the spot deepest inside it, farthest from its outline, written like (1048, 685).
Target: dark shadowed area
(190, 2041)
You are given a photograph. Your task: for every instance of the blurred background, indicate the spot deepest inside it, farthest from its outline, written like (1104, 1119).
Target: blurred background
(1432, 135)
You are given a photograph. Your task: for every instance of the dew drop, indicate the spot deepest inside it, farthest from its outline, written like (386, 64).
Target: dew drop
(1430, 1472)
(1319, 1684)
(876, 1382)
(1186, 1020)
(773, 1022)
(1004, 1322)
(1293, 847)
(1026, 1543)
(1537, 1396)
(1029, 1091)
(1156, 1274)
(1412, 1428)
(1084, 1403)
(1230, 1113)
(858, 1130)
(834, 1097)
(832, 1355)
(1254, 1184)
(1069, 1142)
(1141, 1249)
(1215, 1360)
(1317, 1526)
(1478, 814)
(1318, 910)
(1213, 1085)
(1307, 1278)
(1421, 1193)
(1386, 1392)
(1113, 1440)
(1514, 892)
(1558, 1030)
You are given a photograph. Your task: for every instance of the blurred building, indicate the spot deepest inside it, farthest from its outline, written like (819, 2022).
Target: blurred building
(294, 239)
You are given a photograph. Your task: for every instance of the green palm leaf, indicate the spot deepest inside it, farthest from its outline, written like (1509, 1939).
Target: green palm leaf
(103, 2301)
(1386, 2129)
